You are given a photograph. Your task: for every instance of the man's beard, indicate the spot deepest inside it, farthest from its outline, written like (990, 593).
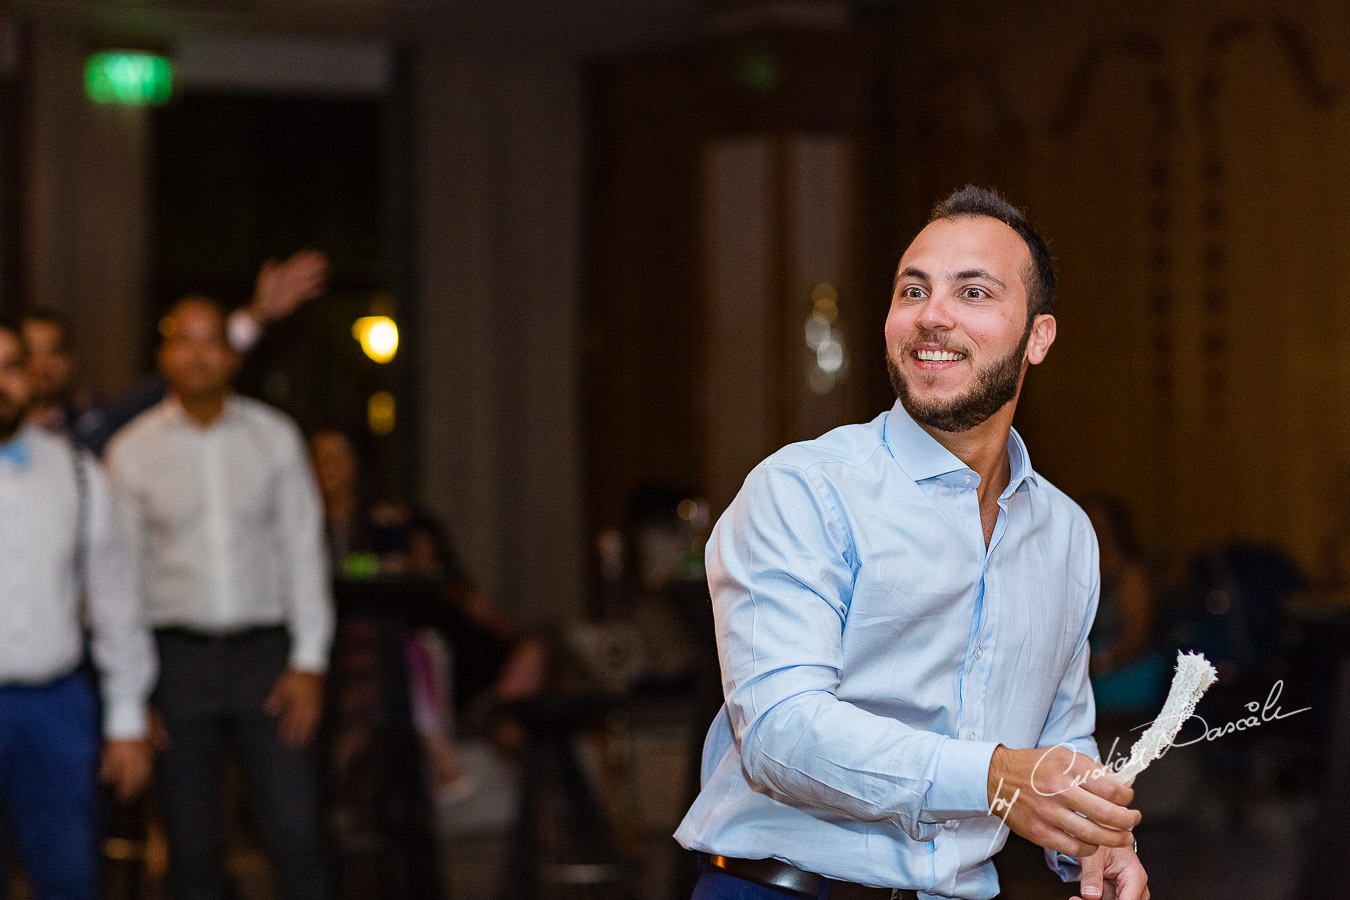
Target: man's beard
(995, 385)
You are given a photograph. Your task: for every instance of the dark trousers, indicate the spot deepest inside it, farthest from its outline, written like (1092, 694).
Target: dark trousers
(211, 692)
(48, 750)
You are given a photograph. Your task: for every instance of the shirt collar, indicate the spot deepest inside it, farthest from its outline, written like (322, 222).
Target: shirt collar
(1019, 461)
(922, 457)
(173, 411)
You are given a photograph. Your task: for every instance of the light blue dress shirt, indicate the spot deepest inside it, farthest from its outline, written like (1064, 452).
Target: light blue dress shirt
(874, 653)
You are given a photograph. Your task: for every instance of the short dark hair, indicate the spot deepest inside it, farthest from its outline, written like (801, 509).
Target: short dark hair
(1041, 280)
(45, 315)
(194, 300)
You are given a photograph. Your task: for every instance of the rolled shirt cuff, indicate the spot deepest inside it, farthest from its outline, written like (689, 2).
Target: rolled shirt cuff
(309, 656)
(243, 330)
(960, 781)
(1067, 868)
(125, 721)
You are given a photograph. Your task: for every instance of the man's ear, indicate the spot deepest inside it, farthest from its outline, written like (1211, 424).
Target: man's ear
(1042, 336)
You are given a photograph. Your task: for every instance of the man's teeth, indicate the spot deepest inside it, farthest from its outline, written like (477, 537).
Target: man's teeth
(939, 356)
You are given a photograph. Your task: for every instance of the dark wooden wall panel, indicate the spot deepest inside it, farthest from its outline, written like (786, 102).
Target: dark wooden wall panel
(1187, 161)
(650, 118)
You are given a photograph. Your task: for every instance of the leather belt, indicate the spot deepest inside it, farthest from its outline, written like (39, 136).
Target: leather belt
(217, 638)
(781, 876)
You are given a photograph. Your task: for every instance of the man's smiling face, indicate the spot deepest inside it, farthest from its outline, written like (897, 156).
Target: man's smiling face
(958, 337)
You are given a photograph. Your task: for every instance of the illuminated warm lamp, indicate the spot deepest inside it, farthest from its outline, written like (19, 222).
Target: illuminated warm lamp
(825, 301)
(378, 336)
(381, 413)
(128, 77)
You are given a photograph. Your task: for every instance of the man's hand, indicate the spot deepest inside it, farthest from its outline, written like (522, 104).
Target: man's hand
(283, 286)
(1061, 800)
(126, 766)
(297, 702)
(1117, 871)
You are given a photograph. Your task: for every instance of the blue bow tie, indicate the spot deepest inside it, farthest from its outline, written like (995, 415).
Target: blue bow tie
(15, 453)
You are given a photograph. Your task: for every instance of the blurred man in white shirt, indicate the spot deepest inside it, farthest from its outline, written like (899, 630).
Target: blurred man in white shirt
(59, 404)
(218, 496)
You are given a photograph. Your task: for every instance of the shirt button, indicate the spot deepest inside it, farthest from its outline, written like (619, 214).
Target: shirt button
(972, 735)
(979, 653)
(967, 479)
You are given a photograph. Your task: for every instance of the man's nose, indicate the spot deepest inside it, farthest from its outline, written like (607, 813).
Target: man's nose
(936, 314)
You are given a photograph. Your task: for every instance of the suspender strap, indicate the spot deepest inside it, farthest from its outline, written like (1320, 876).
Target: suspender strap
(82, 515)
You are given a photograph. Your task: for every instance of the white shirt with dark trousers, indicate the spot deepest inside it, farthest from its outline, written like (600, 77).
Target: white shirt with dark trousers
(227, 524)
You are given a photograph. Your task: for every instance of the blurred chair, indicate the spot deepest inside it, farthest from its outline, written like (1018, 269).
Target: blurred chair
(378, 806)
(564, 846)
(1233, 608)
(1327, 842)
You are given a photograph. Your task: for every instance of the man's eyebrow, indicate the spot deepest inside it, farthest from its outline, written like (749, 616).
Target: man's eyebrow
(978, 275)
(911, 272)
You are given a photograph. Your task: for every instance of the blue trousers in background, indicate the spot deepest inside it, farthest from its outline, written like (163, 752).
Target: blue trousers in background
(49, 742)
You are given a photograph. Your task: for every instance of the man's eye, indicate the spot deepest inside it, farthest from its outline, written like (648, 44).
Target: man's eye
(913, 292)
(974, 293)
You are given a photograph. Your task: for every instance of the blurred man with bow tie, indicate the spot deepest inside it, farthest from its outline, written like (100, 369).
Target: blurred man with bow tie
(59, 546)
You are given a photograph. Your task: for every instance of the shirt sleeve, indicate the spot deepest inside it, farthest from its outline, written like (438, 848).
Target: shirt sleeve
(780, 567)
(121, 647)
(309, 603)
(1073, 713)
(243, 330)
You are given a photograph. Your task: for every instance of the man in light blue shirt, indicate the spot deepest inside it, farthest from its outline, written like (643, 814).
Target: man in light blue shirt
(902, 613)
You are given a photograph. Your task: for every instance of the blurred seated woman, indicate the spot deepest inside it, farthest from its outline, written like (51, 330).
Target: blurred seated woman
(473, 656)
(495, 660)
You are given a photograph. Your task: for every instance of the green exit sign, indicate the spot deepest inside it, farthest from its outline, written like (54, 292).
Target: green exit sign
(128, 77)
